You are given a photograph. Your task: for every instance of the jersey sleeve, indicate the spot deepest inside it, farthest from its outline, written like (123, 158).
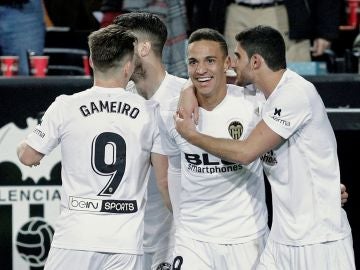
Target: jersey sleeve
(156, 146)
(167, 129)
(46, 136)
(287, 112)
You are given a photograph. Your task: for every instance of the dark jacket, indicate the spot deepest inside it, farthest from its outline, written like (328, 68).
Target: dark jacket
(309, 19)
(111, 5)
(206, 13)
(76, 14)
(13, 3)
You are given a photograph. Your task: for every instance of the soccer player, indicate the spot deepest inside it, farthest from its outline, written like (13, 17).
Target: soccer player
(153, 82)
(297, 145)
(223, 214)
(108, 136)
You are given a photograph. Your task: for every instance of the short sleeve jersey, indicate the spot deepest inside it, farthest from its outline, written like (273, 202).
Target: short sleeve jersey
(304, 170)
(106, 137)
(221, 202)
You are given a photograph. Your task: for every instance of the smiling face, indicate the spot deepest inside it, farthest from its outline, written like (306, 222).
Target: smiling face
(242, 67)
(207, 65)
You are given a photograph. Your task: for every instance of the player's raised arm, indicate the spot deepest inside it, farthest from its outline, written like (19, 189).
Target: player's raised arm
(188, 102)
(28, 155)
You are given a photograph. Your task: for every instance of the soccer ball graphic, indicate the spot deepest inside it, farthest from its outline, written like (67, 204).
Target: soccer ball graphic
(33, 241)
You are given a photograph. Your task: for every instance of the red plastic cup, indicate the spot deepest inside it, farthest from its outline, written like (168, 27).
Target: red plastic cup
(9, 65)
(353, 15)
(86, 65)
(39, 65)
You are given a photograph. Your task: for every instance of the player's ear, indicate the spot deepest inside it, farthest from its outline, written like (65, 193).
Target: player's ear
(144, 48)
(227, 63)
(256, 61)
(128, 68)
(91, 62)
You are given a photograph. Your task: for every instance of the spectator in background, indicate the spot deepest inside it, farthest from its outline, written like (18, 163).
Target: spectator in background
(73, 21)
(110, 9)
(298, 21)
(174, 50)
(22, 29)
(356, 44)
(206, 14)
(172, 12)
(75, 14)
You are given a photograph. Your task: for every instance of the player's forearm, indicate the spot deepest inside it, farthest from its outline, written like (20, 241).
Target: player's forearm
(226, 149)
(27, 155)
(162, 184)
(160, 164)
(164, 191)
(188, 101)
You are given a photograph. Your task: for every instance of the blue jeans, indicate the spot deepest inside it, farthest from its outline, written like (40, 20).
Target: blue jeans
(22, 29)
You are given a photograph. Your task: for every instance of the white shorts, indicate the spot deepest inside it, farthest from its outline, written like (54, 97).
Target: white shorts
(68, 259)
(210, 256)
(335, 255)
(159, 260)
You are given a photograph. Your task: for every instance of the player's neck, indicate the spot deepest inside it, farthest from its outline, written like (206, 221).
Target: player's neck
(153, 77)
(106, 83)
(211, 101)
(268, 81)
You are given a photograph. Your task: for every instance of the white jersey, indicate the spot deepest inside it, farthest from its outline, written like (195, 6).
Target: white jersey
(304, 170)
(221, 202)
(106, 137)
(158, 220)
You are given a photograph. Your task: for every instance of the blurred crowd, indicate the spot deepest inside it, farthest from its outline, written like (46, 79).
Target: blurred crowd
(309, 28)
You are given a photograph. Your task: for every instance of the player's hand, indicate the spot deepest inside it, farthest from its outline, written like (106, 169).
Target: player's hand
(184, 124)
(188, 101)
(344, 194)
(35, 164)
(319, 47)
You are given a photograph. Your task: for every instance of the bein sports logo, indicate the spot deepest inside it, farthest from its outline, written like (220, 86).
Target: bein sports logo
(33, 241)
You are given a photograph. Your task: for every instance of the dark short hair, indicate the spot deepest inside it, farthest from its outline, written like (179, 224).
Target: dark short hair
(265, 41)
(209, 34)
(109, 46)
(147, 24)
